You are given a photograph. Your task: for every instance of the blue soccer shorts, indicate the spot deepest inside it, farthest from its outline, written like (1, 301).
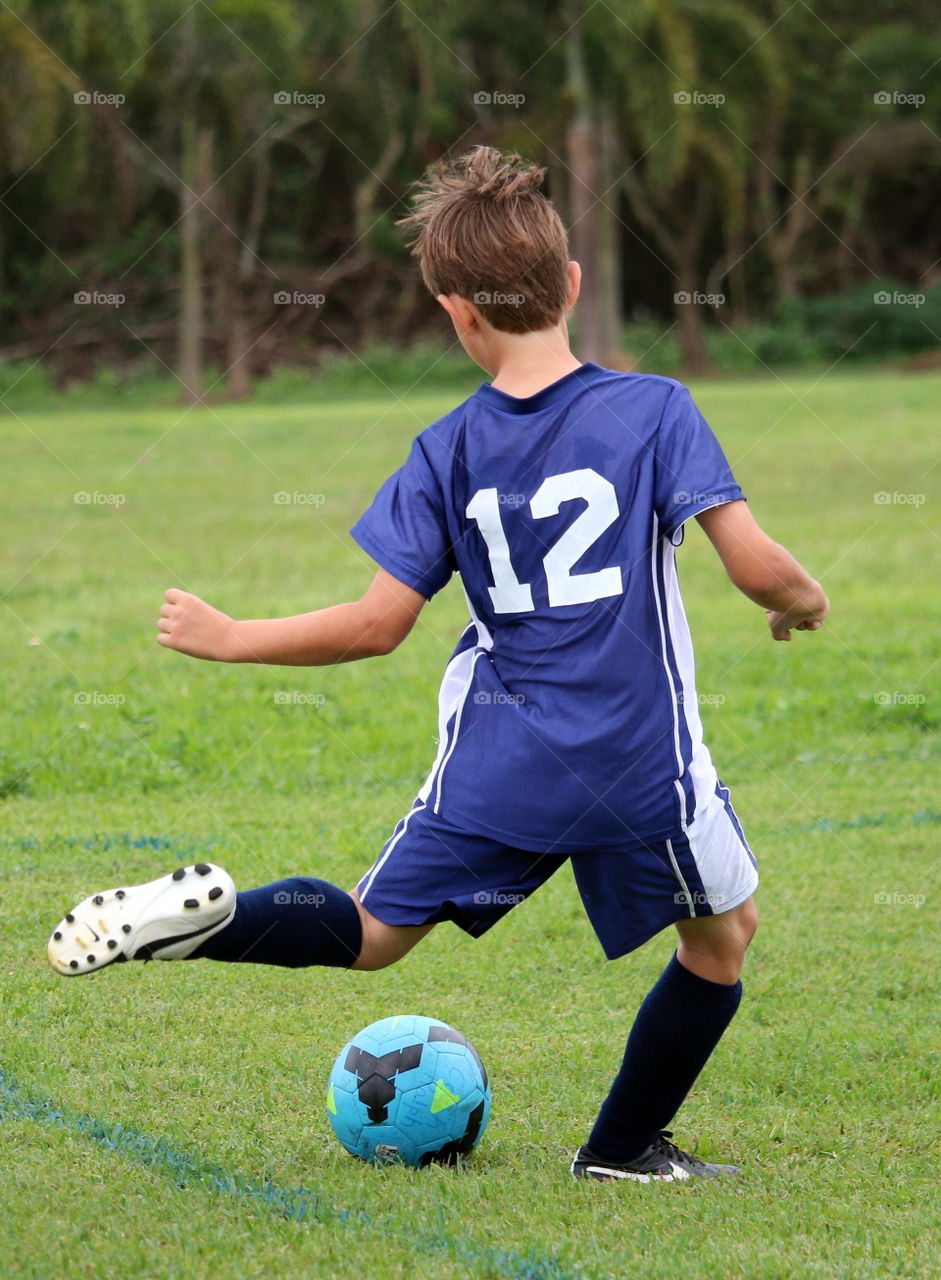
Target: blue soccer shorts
(430, 871)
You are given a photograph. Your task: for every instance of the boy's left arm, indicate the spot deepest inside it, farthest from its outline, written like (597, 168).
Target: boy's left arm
(365, 628)
(765, 571)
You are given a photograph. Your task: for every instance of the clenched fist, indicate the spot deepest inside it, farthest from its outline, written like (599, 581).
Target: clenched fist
(192, 626)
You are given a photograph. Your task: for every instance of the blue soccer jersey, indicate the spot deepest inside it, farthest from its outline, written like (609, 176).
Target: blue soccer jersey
(568, 716)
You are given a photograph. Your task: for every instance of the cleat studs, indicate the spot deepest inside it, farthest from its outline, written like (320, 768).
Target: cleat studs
(215, 893)
(57, 936)
(73, 964)
(125, 928)
(112, 943)
(90, 959)
(119, 894)
(202, 869)
(98, 899)
(191, 903)
(70, 919)
(179, 873)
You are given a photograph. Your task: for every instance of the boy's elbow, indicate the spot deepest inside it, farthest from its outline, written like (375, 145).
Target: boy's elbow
(379, 646)
(381, 638)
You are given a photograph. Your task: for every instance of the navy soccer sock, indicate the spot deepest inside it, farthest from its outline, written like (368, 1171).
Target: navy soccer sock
(293, 923)
(676, 1029)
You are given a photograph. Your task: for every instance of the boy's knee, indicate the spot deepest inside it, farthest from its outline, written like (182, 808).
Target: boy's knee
(714, 946)
(748, 921)
(383, 944)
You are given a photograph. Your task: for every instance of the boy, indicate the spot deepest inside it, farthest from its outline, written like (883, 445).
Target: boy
(568, 716)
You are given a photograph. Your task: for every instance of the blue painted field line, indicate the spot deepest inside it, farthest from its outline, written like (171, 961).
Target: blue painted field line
(299, 1204)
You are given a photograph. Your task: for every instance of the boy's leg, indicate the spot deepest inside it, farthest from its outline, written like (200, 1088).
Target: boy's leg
(677, 1027)
(713, 947)
(300, 922)
(384, 944)
(195, 913)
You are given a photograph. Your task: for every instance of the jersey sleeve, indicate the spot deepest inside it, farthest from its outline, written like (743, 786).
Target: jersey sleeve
(405, 528)
(691, 471)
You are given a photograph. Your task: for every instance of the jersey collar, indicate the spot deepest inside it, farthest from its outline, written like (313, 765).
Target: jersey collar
(563, 389)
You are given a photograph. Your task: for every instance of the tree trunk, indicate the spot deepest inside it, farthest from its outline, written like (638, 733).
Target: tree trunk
(195, 165)
(190, 348)
(609, 250)
(785, 232)
(237, 359)
(690, 328)
(582, 148)
(689, 314)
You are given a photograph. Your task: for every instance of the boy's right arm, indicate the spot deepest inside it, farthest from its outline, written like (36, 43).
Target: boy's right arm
(764, 571)
(365, 628)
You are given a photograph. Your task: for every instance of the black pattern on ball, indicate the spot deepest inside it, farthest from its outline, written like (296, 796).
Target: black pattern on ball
(375, 1076)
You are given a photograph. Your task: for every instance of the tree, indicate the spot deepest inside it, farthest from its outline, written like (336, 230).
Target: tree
(211, 82)
(695, 79)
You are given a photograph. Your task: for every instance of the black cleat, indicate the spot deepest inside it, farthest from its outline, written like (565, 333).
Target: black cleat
(661, 1162)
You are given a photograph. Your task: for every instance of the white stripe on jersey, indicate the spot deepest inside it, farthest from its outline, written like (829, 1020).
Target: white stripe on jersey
(455, 707)
(453, 688)
(474, 655)
(455, 685)
(700, 768)
(664, 653)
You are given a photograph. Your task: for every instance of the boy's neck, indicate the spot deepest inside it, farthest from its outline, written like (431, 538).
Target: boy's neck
(521, 364)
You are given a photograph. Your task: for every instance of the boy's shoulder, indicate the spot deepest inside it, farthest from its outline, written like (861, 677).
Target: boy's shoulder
(652, 390)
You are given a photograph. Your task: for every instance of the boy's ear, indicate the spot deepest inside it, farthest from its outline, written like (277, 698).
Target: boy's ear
(574, 273)
(464, 314)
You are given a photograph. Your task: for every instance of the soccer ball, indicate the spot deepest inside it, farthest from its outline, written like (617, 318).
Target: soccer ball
(409, 1089)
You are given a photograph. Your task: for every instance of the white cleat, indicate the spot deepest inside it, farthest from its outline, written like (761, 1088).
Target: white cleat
(166, 919)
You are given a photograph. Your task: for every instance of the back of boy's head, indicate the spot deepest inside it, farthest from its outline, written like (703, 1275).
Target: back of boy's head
(486, 232)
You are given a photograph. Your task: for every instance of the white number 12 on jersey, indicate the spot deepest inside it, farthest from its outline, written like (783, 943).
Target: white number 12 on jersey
(508, 594)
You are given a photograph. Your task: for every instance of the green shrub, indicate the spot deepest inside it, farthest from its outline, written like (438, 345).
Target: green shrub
(872, 319)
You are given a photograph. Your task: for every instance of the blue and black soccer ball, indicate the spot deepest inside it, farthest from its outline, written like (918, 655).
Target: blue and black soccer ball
(411, 1090)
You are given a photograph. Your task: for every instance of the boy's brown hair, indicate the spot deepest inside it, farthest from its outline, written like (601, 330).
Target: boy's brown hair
(486, 232)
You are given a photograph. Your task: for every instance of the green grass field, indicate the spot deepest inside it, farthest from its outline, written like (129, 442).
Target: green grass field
(168, 1120)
